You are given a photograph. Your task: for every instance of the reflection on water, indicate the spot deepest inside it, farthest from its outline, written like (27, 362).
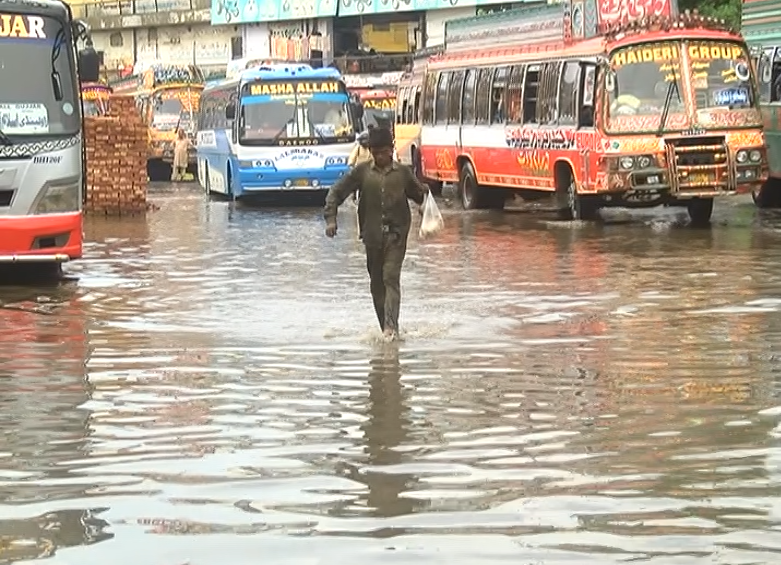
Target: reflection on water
(565, 393)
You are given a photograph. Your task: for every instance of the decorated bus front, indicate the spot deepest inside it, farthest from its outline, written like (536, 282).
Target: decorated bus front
(40, 133)
(292, 133)
(685, 114)
(94, 98)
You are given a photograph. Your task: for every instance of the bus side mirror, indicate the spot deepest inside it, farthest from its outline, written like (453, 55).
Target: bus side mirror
(89, 64)
(357, 109)
(230, 111)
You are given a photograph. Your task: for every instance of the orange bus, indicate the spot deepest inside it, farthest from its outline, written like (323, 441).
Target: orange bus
(408, 98)
(658, 111)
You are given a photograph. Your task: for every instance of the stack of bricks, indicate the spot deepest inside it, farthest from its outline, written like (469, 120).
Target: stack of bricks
(117, 149)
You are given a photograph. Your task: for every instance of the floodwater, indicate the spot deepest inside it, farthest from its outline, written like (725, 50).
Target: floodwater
(210, 389)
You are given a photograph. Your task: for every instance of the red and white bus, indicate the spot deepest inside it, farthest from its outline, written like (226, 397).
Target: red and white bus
(41, 153)
(598, 111)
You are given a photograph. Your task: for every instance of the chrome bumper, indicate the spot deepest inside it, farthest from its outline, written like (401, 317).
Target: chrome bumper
(54, 258)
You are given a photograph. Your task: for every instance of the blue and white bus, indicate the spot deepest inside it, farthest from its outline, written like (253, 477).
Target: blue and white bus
(275, 128)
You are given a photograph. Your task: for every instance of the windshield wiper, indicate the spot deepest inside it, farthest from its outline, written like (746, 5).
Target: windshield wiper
(281, 131)
(5, 140)
(667, 100)
(59, 40)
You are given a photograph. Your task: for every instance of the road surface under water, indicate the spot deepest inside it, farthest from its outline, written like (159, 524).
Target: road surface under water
(210, 388)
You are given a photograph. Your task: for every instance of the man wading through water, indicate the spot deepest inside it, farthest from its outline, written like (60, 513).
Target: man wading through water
(384, 219)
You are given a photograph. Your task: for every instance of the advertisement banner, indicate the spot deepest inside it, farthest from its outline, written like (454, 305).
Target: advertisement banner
(251, 11)
(361, 7)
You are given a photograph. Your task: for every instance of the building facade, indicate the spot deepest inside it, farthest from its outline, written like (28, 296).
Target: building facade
(358, 35)
(126, 32)
(353, 34)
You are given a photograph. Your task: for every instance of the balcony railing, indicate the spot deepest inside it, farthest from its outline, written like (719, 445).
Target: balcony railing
(138, 7)
(373, 64)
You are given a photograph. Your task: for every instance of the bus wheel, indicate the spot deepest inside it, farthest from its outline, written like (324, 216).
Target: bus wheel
(475, 197)
(206, 181)
(700, 211)
(571, 205)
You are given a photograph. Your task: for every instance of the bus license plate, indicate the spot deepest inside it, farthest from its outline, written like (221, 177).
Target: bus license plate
(301, 182)
(699, 179)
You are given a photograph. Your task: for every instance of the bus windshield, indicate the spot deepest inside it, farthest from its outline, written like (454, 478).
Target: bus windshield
(648, 77)
(273, 113)
(29, 105)
(379, 112)
(175, 107)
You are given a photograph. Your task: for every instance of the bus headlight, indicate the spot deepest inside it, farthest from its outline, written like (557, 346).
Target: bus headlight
(626, 163)
(755, 156)
(335, 161)
(742, 156)
(59, 198)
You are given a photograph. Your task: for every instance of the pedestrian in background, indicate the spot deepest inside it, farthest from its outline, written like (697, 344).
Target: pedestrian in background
(384, 220)
(181, 150)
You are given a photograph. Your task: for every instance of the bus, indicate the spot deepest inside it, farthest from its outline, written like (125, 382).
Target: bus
(658, 111)
(377, 94)
(42, 172)
(168, 97)
(94, 98)
(407, 129)
(275, 129)
(760, 23)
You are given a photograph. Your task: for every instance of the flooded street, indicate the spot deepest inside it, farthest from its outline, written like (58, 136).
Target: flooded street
(210, 389)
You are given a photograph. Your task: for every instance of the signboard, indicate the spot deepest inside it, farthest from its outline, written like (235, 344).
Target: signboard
(620, 11)
(251, 11)
(372, 81)
(363, 7)
(305, 88)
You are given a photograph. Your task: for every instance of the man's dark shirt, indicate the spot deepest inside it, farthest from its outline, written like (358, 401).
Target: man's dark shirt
(383, 205)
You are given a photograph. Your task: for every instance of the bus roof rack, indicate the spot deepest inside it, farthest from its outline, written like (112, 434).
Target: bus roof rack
(686, 20)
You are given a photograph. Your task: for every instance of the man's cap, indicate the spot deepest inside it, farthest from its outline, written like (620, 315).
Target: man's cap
(380, 138)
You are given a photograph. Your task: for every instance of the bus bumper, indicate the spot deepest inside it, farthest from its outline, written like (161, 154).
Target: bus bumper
(54, 238)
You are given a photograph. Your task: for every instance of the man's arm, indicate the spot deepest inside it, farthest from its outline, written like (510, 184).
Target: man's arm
(414, 189)
(352, 160)
(339, 192)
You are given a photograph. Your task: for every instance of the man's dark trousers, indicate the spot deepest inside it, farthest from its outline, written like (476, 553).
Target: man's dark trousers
(384, 266)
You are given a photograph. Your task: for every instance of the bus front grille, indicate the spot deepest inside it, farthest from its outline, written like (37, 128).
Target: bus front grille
(699, 164)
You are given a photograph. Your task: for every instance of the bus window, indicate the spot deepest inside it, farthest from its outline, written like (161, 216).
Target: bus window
(454, 96)
(531, 86)
(428, 98)
(440, 105)
(569, 93)
(402, 104)
(483, 96)
(586, 114)
(498, 94)
(415, 118)
(514, 98)
(468, 104)
(764, 65)
(547, 96)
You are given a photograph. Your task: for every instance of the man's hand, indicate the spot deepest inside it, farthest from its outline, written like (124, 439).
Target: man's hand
(330, 230)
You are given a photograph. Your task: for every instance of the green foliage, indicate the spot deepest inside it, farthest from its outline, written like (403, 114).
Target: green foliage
(727, 10)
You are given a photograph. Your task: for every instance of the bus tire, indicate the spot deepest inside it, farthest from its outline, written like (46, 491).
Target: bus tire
(207, 185)
(476, 197)
(571, 205)
(228, 181)
(700, 211)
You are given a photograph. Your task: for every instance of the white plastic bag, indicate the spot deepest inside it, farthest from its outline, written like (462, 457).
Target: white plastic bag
(431, 223)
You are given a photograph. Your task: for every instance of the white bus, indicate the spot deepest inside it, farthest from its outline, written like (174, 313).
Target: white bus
(41, 153)
(273, 129)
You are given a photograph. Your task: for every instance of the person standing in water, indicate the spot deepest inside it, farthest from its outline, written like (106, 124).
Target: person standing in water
(181, 149)
(384, 221)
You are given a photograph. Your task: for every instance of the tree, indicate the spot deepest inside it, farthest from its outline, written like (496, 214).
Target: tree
(727, 10)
